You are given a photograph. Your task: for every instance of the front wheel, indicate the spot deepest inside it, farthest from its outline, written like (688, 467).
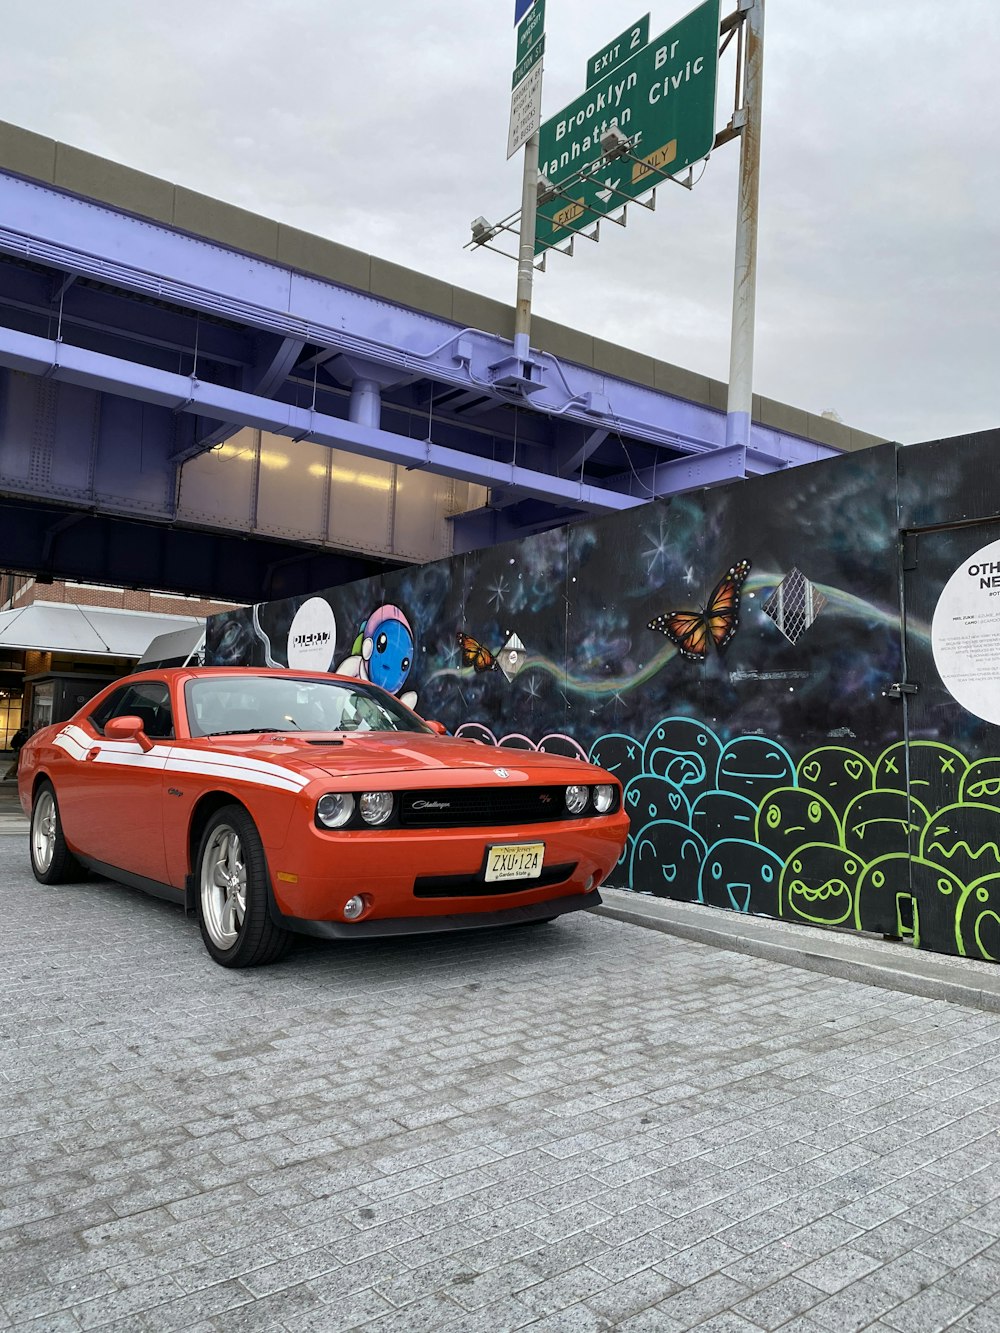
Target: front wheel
(232, 893)
(52, 862)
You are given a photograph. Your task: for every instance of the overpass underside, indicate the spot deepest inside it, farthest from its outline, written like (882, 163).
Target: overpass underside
(177, 412)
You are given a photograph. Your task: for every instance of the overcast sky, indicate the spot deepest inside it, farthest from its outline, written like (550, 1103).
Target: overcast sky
(383, 125)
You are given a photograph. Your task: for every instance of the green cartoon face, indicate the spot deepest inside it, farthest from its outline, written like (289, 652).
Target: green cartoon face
(790, 817)
(836, 773)
(935, 771)
(912, 898)
(877, 823)
(817, 885)
(977, 929)
(981, 782)
(965, 839)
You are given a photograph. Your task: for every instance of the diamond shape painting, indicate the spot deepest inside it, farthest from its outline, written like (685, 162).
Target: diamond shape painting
(794, 605)
(511, 657)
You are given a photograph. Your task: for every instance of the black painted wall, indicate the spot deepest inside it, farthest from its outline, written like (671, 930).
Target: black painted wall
(731, 655)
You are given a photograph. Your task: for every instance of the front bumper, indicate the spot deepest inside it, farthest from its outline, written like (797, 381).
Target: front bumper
(315, 873)
(422, 925)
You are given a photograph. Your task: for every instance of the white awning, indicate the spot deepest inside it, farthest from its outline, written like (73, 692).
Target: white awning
(98, 631)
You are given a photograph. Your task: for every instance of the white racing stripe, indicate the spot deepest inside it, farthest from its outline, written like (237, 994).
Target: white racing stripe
(173, 759)
(284, 781)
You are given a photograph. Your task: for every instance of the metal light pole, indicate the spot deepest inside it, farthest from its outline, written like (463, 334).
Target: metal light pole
(740, 403)
(526, 250)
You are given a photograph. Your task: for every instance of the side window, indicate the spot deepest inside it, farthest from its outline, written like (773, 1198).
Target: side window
(149, 700)
(109, 708)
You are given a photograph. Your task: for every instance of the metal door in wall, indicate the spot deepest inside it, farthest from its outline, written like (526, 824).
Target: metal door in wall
(950, 761)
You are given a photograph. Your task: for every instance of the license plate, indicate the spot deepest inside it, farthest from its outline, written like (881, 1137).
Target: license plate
(516, 860)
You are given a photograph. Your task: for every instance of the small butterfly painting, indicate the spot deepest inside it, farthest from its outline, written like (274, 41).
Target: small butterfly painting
(475, 655)
(692, 631)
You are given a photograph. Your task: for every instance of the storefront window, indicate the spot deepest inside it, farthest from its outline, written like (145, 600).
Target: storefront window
(10, 716)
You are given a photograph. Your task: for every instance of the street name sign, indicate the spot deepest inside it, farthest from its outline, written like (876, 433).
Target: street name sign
(525, 110)
(662, 97)
(531, 30)
(532, 58)
(624, 46)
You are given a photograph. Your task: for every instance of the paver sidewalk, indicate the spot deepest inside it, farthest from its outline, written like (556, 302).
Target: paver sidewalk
(580, 1126)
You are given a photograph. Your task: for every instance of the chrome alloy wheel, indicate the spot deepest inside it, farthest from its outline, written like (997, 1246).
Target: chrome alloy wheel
(223, 886)
(44, 826)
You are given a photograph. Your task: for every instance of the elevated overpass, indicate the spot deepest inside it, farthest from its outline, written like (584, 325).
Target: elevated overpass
(197, 398)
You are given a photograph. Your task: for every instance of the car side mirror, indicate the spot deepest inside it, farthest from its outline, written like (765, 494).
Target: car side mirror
(128, 728)
(438, 728)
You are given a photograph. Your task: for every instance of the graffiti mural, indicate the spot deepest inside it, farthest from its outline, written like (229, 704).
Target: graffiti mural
(787, 675)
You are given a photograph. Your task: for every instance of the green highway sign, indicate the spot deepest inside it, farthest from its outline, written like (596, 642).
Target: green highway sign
(662, 97)
(617, 52)
(530, 30)
(532, 58)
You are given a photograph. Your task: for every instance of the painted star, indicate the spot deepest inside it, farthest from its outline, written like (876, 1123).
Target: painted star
(498, 592)
(656, 551)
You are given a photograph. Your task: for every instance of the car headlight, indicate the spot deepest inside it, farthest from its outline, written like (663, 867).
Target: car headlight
(576, 799)
(375, 806)
(604, 798)
(334, 809)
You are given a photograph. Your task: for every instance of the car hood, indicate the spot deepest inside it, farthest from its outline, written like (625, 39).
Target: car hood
(381, 754)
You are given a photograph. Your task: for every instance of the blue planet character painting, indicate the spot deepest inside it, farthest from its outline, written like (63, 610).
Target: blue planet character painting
(383, 652)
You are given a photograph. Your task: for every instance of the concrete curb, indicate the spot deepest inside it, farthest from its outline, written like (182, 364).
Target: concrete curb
(864, 959)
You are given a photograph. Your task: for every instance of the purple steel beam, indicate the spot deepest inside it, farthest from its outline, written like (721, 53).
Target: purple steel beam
(75, 235)
(275, 361)
(732, 463)
(183, 393)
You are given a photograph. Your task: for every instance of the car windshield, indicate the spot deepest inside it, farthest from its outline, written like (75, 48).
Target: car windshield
(233, 705)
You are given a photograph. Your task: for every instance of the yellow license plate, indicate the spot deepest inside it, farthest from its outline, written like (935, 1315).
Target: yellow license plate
(516, 860)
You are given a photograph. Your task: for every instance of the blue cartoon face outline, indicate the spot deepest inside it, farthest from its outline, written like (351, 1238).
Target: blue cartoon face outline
(391, 655)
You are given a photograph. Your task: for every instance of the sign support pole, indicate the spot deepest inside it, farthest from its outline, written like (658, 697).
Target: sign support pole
(739, 407)
(526, 250)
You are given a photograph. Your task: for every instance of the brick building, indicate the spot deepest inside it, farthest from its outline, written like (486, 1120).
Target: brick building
(82, 633)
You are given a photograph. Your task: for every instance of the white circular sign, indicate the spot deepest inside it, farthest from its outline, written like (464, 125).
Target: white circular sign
(965, 634)
(312, 637)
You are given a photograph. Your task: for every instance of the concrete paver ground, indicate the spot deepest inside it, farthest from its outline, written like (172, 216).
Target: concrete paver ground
(580, 1126)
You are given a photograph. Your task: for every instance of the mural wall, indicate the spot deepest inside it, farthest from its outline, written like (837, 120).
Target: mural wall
(739, 658)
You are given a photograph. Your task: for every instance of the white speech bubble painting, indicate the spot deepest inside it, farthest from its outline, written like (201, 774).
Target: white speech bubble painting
(965, 634)
(312, 636)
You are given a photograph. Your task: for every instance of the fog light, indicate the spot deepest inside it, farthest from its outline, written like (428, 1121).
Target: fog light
(375, 806)
(604, 798)
(354, 907)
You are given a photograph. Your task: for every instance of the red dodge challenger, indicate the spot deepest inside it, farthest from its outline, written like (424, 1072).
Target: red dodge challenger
(272, 802)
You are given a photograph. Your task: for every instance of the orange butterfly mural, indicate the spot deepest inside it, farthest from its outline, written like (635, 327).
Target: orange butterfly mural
(691, 631)
(475, 655)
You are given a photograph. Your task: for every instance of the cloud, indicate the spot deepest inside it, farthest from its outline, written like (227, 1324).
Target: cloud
(384, 127)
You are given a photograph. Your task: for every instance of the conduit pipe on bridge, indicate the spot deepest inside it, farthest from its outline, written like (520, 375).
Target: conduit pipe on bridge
(181, 393)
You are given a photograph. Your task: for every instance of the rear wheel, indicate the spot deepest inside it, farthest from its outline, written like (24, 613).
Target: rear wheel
(52, 862)
(232, 893)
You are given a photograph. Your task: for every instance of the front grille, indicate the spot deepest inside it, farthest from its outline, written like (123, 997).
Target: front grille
(474, 886)
(487, 807)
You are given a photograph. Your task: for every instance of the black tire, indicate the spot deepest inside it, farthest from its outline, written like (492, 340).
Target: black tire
(52, 862)
(232, 892)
